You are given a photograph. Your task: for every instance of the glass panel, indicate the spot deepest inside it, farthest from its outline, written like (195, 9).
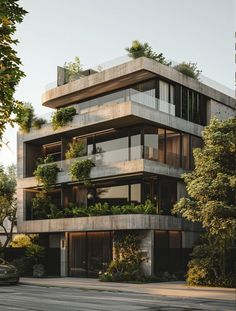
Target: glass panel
(116, 195)
(161, 145)
(151, 143)
(53, 150)
(99, 252)
(136, 193)
(106, 144)
(184, 103)
(78, 254)
(161, 239)
(172, 94)
(135, 151)
(175, 239)
(185, 151)
(173, 148)
(168, 195)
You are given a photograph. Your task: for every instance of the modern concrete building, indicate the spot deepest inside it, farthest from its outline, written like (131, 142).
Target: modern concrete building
(139, 121)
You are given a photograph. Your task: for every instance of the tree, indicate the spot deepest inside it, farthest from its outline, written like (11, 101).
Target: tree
(7, 201)
(139, 49)
(10, 73)
(211, 197)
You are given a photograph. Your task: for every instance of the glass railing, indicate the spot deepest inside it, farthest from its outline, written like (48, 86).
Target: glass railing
(117, 98)
(104, 158)
(125, 58)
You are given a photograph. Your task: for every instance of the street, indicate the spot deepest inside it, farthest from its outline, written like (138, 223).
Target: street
(43, 298)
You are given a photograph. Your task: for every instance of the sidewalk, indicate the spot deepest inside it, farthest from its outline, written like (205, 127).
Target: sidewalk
(177, 289)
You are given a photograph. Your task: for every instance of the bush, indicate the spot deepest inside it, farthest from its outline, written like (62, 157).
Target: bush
(35, 252)
(21, 240)
(128, 258)
(76, 149)
(38, 122)
(46, 174)
(62, 116)
(189, 69)
(24, 265)
(25, 117)
(80, 170)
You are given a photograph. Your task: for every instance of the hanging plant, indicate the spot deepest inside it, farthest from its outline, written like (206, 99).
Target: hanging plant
(77, 148)
(62, 116)
(46, 174)
(38, 122)
(80, 170)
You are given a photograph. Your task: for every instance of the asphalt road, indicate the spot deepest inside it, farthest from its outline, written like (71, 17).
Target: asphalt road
(37, 298)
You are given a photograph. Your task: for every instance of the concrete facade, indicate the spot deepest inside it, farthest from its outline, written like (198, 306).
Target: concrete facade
(117, 114)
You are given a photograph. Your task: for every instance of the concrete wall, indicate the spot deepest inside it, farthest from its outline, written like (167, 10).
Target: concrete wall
(127, 74)
(221, 112)
(147, 249)
(105, 223)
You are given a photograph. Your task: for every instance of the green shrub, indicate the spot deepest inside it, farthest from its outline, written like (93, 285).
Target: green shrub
(74, 69)
(25, 117)
(139, 49)
(62, 116)
(38, 122)
(24, 265)
(189, 69)
(35, 252)
(46, 174)
(76, 149)
(128, 258)
(41, 205)
(80, 170)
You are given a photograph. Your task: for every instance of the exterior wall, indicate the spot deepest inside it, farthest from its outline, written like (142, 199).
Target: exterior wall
(216, 109)
(105, 223)
(147, 249)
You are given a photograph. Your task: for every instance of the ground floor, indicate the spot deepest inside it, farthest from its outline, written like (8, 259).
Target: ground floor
(87, 253)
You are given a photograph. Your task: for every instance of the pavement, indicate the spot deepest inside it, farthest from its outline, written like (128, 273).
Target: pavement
(168, 289)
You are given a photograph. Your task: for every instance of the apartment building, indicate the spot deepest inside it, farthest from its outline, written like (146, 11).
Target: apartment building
(139, 122)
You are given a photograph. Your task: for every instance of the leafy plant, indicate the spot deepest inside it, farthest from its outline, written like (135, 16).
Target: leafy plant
(25, 117)
(76, 149)
(189, 69)
(46, 174)
(139, 49)
(62, 116)
(38, 122)
(128, 258)
(36, 252)
(74, 69)
(80, 170)
(21, 240)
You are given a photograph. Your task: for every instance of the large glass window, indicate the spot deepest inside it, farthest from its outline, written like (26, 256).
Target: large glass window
(113, 147)
(144, 93)
(167, 195)
(173, 148)
(151, 143)
(161, 145)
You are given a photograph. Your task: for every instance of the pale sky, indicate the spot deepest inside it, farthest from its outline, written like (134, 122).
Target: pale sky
(97, 31)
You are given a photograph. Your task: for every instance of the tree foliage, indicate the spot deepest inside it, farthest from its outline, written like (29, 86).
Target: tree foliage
(211, 190)
(7, 201)
(10, 73)
(139, 49)
(74, 69)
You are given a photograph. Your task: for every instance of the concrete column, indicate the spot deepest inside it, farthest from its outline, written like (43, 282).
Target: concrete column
(147, 249)
(64, 253)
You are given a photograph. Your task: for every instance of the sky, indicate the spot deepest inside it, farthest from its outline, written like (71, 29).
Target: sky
(54, 32)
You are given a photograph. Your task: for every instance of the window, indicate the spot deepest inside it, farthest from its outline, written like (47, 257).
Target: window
(53, 150)
(166, 97)
(185, 152)
(173, 148)
(150, 143)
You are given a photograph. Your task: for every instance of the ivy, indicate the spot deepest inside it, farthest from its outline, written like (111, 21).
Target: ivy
(46, 173)
(80, 170)
(126, 265)
(62, 116)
